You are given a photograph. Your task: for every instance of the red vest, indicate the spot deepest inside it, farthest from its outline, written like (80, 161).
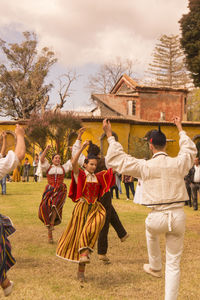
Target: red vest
(91, 191)
(55, 179)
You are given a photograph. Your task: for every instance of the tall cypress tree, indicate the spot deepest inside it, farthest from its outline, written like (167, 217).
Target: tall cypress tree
(168, 66)
(190, 40)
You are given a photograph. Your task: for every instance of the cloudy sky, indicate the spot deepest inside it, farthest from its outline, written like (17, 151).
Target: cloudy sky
(87, 33)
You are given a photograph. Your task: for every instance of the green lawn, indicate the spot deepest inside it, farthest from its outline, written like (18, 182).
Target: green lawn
(40, 275)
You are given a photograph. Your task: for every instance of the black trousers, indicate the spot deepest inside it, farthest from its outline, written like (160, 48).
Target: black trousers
(114, 187)
(131, 186)
(111, 218)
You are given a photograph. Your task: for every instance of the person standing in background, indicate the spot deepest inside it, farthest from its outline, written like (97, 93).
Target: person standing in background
(26, 170)
(35, 165)
(128, 183)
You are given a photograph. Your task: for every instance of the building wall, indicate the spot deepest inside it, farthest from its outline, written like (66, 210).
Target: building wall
(152, 104)
(125, 131)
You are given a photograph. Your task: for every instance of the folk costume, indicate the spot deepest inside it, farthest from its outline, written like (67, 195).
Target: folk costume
(165, 193)
(106, 200)
(55, 192)
(7, 164)
(88, 216)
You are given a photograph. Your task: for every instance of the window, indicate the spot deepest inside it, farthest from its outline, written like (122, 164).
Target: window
(131, 108)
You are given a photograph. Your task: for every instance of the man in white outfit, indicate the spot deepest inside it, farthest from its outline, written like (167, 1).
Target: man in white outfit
(165, 193)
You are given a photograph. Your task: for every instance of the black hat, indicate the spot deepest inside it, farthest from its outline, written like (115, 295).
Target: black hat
(157, 138)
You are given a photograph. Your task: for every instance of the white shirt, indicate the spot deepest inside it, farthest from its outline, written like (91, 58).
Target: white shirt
(90, 177)
(56, 169)
(197, 173)
(8, 163)
(162, 176)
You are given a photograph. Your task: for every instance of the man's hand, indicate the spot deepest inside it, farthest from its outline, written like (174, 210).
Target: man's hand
(19, 131)
(177, 122)
(107, 127)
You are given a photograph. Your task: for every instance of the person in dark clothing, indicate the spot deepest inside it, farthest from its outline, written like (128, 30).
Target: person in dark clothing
(193, 179)
(128, 183)
(111, 217)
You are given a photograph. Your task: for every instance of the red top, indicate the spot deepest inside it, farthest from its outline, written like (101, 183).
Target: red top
(55, 179)
(91, 191)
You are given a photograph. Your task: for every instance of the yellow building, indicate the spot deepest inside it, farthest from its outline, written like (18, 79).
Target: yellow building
(130, 133)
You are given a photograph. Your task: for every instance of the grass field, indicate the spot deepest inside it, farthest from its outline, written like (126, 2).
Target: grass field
(40, 275)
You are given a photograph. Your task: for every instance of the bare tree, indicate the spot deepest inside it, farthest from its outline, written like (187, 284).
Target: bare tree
(108, 74)
(65, 88)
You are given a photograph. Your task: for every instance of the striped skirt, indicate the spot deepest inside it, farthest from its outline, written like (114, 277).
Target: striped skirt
(52, 198)
(82, 230)
(6, 258)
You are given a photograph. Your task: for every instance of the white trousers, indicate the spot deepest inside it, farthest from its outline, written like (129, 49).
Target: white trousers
(172, 224)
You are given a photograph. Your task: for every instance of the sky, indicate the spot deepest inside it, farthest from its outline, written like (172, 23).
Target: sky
(87, 33)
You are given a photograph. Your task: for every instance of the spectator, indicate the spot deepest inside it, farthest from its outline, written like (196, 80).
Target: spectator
(35, 165)
(128, 183)
(26, 170)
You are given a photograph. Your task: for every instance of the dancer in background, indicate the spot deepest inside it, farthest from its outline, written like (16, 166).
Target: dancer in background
(53, 198)
(88, 217)
(7, 164)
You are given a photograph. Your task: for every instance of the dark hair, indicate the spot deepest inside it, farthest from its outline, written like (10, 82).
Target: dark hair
(90, 156)
(93, 149)
(54, 155)
(157, 138)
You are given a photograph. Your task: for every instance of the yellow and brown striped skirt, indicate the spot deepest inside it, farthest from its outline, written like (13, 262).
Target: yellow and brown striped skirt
(82, 230)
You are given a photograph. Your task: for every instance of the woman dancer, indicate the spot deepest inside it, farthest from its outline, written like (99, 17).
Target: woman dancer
(53, 199)
(88, 217)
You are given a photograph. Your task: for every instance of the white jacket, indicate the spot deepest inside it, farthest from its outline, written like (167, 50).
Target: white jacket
(162, 176)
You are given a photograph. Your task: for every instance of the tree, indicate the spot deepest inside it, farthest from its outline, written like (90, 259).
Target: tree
(65, 83)
(193, 105)
(168, 67)
(55, 128)
(190, 40)
(22, 78)
(109, 74)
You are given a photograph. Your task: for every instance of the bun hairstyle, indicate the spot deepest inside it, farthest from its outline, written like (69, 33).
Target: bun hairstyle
(93, 152)
(93, 149)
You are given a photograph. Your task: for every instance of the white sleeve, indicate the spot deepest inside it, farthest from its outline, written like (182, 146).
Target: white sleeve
(75, 148)
(45, 165)
(8, 163)
(67, 166)
(121, 162)
(187, 153)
